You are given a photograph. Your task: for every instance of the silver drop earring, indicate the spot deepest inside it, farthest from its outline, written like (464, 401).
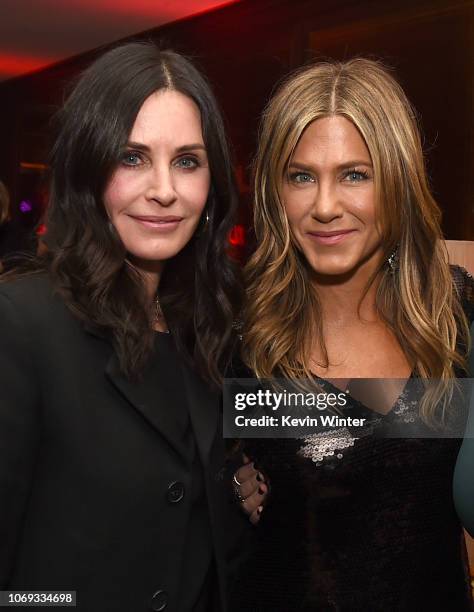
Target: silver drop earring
(393, 261)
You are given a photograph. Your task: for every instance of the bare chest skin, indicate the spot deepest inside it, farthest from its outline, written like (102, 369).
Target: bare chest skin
(364, 350)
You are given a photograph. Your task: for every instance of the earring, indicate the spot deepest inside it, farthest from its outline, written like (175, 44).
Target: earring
(204, 222)
(393, 261)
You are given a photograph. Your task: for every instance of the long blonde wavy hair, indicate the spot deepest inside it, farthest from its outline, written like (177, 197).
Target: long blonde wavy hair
(418, 303)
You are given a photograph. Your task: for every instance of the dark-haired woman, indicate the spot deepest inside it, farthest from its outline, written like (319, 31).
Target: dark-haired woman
(350, 281)
(112, 349)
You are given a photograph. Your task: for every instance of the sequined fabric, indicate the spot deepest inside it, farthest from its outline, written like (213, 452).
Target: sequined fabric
(358, 522)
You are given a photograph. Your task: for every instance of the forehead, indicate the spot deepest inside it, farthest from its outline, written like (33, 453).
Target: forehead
(167, 116)
(332, 139)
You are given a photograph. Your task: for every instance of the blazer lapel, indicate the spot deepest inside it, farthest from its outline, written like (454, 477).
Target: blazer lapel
(144, 396)
(203, 411)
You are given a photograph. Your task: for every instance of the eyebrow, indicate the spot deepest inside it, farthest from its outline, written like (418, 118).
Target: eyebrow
(350, 164)
(191, 147)
(182, 149)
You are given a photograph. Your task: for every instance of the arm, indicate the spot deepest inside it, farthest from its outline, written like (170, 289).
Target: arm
(463, 484)
(19, 427)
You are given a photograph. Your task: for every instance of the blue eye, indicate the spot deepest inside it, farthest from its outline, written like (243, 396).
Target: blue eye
(131, 158)
(301, 177)
(356, 176)
(187, 163)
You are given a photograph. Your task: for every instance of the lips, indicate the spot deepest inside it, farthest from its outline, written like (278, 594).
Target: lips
(160, 223)
(157, 219)
(332, 237)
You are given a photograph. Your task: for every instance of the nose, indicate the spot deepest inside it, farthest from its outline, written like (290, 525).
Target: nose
(160, 188)
(327, 204)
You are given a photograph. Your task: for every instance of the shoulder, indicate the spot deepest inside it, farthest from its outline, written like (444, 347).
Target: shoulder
(33, 301)
(464, 284)
(462, 279)
(27, 286)
(30, 292)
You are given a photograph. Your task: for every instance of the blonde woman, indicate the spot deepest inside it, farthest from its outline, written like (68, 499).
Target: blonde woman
(350, 280)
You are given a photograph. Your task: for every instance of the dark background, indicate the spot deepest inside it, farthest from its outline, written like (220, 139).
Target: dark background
(247, 47)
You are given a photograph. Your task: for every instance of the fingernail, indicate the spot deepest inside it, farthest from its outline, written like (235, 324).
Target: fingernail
(261, 490)
(260, 477)
(259, 510)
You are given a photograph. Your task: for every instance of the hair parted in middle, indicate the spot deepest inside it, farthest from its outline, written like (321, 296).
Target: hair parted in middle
(199, 288)
(282, 316)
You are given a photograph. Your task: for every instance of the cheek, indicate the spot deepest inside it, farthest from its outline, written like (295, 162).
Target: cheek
(363, 205)
(366, 211)
(371, 220)
(118, 193)
(296, 208)
(194, 190)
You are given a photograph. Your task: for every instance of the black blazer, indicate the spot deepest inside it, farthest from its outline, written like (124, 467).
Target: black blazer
(91, 477)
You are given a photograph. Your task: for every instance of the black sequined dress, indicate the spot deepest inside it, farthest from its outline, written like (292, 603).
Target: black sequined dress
(357, 522)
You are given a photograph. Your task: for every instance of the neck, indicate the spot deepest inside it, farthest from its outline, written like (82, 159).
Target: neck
(150, 271)
(345, 299)
(151, 275)
(152, 282)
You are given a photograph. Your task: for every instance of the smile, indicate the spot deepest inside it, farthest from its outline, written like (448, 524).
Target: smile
(329, 238)
(161, 224)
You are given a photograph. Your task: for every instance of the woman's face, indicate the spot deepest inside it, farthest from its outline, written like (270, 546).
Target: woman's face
(329, 198)
(157, 193)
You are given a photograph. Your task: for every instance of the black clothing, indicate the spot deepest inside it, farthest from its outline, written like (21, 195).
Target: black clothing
(16, 238)
(357, 522)
(107, 487)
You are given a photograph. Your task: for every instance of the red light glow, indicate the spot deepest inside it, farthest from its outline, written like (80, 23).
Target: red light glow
(101, 21)
(164, 11)
(12, 65)
(33, 166)
(237, 236)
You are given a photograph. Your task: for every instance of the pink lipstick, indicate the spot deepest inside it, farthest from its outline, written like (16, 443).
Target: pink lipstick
(162, 223)
(329, 238)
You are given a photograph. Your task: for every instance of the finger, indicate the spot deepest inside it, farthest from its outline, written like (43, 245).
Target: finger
(245, 472)
(252, 502)
(251, 485)
(255, 516)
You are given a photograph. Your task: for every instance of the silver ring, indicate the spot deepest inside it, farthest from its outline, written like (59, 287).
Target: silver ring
(236, 481)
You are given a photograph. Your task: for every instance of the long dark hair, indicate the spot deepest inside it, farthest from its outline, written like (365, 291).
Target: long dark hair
(199, 289)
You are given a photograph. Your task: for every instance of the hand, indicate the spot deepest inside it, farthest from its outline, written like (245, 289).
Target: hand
(251, 489)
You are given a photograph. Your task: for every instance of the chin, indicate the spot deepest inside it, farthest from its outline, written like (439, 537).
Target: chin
(154, 256)
(161, 251)
(332, 268)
